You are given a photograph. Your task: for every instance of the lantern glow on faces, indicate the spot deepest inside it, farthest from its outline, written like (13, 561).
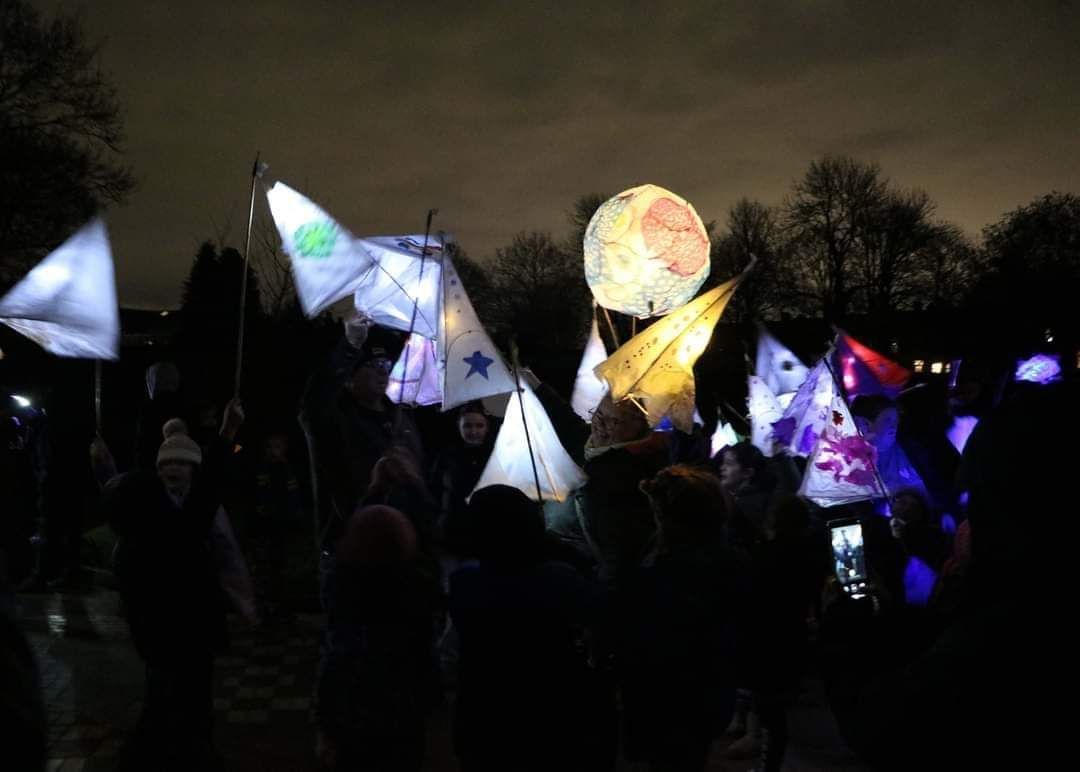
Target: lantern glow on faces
(646, 252)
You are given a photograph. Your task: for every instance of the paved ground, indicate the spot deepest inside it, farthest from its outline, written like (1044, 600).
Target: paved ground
(93, 685)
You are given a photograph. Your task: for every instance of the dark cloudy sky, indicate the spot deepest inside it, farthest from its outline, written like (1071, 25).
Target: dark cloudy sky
(501, 114)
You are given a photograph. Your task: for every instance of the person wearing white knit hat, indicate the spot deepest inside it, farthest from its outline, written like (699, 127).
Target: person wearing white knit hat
(177, 459)
(171, 589)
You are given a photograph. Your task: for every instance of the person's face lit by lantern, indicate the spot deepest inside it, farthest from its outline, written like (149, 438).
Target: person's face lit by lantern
(369, 380)
(473, 428)
(881, 432)
(615, 423)
(733, 475)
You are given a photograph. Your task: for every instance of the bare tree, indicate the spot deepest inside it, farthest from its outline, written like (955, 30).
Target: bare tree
(824, 219)
(61, 134)
(541, 300)
(1031, 279)
(950, 265)
(893, 237)
(753, 230)
(580, 214)
(274, 270)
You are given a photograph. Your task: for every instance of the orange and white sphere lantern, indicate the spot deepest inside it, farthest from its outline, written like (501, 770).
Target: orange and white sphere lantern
(646, 252)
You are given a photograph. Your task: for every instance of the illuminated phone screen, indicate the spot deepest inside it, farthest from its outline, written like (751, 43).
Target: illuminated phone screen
(849, 557)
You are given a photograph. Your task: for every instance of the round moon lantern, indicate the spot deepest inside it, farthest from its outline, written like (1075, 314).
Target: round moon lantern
(646, 252)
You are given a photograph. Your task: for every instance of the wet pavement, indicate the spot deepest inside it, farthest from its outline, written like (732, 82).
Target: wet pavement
(93, 680)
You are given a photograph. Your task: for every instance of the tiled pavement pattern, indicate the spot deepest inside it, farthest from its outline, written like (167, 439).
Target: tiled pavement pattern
(93, 685)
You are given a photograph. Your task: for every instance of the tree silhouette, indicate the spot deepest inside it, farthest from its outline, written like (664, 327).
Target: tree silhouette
(210, 315)
(579, 216)
(857, 244)
(61, 135)
(1032, 259)
(539, 300)
(753, 230)
(825, 216)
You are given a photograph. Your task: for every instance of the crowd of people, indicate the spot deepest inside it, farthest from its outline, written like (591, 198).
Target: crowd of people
(674, 601)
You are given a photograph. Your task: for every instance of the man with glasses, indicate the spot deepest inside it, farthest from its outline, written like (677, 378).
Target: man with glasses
(350, 423)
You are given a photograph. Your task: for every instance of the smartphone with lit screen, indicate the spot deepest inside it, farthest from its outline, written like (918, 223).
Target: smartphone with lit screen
(849, 556)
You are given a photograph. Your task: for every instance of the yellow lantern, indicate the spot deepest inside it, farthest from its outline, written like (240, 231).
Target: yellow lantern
(656, 366)
(646, 252)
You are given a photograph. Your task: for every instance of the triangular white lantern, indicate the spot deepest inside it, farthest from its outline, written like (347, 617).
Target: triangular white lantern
(401, 283)
(723, 437)
(326, 265)
(778, 367)
(472, 366)
(416, 378)
(588, 389)
(804, 418)
(511, 462)
(67, 303)
(765, 410)
(656, 366)
(841, 468)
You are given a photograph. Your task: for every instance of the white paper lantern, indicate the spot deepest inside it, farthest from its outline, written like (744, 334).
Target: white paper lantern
(67, 303)
(646, 252)
(515, 452)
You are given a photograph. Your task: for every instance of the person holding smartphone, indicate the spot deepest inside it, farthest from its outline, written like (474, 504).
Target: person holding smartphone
(953, 703)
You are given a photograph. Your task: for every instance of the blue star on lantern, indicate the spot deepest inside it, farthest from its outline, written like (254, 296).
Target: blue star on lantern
(478, 363)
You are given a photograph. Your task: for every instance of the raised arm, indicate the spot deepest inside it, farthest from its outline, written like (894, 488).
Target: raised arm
(328, 378)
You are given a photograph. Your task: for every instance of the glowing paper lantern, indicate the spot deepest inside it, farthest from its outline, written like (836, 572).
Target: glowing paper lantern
(646, 252)
(416, 378)
(656, 366)
(865, 371)
(723, 437)
(841, 468)
(778, 367)
(765, 410)
(588, 389)
(805, 417)
(511, 462)
(326, 266)
(400, 281)
(67, 303)
(1041, 369)
(472, 366)
(959, 431)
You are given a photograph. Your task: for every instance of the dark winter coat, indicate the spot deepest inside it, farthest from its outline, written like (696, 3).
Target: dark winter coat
(346, 439)
(453, 477)
(378, 676)
(168, 580)
(524, 691)
(677, 623)
(614, 518)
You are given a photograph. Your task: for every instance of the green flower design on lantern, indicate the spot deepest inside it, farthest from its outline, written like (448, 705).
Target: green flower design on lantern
(316, 239)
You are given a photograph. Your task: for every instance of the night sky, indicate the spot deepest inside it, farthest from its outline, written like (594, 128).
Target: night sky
(502, 114)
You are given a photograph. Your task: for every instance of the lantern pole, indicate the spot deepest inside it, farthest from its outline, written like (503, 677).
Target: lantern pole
(97, 396)
(416, 305)
(611, 327)
(256, 171)
(736, 414)
(525, 422)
